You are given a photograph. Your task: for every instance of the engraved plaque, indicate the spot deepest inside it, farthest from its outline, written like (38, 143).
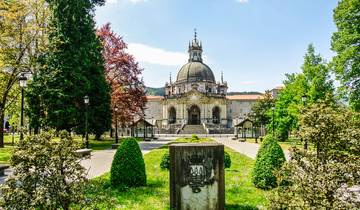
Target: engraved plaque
(197, 176)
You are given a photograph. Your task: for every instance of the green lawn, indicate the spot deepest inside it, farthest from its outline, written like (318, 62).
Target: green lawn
(240, 192)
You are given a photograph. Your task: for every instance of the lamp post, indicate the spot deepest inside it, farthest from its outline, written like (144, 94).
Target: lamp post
(86, 101)
(116, 125)
(273, 121)
(255, 123)
(304, 99)
(23, 84)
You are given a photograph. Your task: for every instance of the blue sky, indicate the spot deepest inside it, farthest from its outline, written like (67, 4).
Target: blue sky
(254, 42)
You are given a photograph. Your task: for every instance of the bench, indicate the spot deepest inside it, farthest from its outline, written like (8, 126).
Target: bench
(83, 152)
(2, 169)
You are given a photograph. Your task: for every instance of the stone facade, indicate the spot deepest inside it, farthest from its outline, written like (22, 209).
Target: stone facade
(197, 98)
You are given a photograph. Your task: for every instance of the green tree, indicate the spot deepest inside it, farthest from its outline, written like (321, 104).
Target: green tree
(72, 68)
(324, 178)
(314, 82)
(260, 110)
(46, 174)
(269, 158)
(346, 43)
(128, 166)
(22, 40)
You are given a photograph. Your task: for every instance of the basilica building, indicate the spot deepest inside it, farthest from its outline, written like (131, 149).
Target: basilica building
(196, 102)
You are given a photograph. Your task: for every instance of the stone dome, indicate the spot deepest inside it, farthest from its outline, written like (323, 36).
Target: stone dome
(195, 72)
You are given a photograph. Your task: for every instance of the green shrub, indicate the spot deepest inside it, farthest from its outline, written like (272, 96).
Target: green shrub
(194, 138)
(227, 160)
(128, 167)
(269, 158)
(165, 161)
(42, 170)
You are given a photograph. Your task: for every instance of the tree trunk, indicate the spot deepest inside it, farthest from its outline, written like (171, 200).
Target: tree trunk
(111, 132)
(2, 117)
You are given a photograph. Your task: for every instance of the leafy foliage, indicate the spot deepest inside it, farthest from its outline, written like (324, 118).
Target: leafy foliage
(314, 82)
(269, 158)
(227, 160)
(128, 167)
(261, 109)
(165, 161)
(46, 174)
(72, 68)
(325, 178)
(123, 75)
(22, 39)
(194, 138)
(346, 43)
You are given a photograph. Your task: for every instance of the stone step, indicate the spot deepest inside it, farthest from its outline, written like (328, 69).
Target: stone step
(193, 129)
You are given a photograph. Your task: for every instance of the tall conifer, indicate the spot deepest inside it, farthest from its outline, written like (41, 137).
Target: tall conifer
(73, 68)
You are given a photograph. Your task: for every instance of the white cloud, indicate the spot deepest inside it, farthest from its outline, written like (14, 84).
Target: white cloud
(153, 55)
(242, 1)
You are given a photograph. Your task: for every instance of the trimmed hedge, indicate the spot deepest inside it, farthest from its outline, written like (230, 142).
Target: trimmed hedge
(165, 161)
(227, 160)
(269, 158)
(128, 166)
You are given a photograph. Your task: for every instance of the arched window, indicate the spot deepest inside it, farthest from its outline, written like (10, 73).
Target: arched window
(172, 115)
(216, 115)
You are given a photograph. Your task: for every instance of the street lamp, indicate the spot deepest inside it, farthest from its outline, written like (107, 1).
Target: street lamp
(116, 125)
(86, 101)
(304, 99)
(273, 121)
(255, 125)
(23, 84)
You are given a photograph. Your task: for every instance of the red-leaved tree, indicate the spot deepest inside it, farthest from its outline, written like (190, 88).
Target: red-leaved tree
(123, 75)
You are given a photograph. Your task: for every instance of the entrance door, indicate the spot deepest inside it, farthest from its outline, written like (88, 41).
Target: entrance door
(194, 115)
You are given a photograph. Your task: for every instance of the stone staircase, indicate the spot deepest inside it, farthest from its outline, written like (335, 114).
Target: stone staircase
(193, 129)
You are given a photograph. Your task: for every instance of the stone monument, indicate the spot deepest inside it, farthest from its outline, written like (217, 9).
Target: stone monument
(197, 176)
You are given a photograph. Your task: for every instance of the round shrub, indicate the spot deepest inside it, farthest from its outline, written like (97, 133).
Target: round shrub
(227, 160)
(194, 138)
(165, 161)
(269, 158)
(128, 167)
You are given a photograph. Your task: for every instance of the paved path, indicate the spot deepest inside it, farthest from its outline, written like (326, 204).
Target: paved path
(246, 148)
(100, 161)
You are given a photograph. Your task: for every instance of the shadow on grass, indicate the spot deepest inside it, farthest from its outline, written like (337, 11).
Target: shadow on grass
(239, 207)
(104, 196)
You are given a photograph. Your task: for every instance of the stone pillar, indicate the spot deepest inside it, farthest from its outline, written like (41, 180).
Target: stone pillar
(197, 176)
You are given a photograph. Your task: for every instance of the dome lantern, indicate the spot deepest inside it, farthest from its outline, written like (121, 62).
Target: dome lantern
(195, 49)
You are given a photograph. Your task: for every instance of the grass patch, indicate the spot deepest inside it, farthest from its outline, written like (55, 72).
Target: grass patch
(5, 154)
(240, 192)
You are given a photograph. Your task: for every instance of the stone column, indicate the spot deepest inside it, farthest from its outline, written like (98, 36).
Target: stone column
(197, 176)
